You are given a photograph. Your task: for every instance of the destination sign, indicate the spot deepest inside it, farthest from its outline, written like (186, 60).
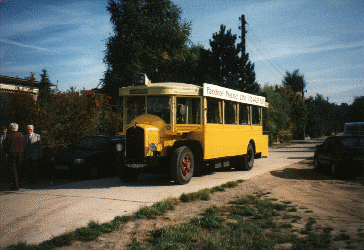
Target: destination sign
(232, 95)
(138, 91)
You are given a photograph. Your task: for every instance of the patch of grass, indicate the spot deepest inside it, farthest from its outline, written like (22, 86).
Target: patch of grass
(308, 211)
(242, 211)
(244, 200)
(309, 226)
(292, 209)
(342, 237)
(203, 194)
(253, 227)
(157, 209)
(286, 225)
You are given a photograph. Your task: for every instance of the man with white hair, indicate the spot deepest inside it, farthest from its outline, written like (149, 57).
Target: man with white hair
(32, 153)
(14, 145)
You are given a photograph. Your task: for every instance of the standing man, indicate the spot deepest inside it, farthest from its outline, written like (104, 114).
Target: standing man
(14, 145)
(33, 151)
(3, 131)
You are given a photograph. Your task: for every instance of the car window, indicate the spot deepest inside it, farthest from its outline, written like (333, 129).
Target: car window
(355, 142)
(327, 144)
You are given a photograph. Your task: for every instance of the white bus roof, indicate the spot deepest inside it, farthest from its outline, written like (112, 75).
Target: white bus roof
(208, 90)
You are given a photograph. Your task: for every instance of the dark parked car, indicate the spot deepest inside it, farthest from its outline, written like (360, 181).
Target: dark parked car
(341, 155)
(92, 156)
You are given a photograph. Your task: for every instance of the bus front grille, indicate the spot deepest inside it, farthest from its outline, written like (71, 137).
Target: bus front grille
(134, 145)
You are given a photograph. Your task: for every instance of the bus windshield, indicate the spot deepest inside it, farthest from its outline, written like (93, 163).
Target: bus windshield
(159, 106)
(156, 105)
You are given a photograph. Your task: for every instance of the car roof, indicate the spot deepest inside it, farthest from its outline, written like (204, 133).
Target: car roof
(107, 136)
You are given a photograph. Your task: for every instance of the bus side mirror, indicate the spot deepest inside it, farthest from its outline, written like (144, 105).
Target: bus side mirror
(182, 109)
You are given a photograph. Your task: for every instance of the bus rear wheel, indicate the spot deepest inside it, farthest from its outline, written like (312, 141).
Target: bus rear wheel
(246, 162)
(182, 165)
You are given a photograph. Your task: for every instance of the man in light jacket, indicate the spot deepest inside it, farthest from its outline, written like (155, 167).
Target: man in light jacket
(32, 153)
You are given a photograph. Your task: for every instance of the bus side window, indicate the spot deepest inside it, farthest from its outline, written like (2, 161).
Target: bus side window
(256, 115)
(181, 110)
(230, 112)
(244, 114)
(194, 111)
(214, 111)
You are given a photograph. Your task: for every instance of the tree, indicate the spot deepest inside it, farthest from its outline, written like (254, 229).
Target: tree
(357, 109)
(295, 81)
(298, 113)
(322, 117)
(277, 117)
(225, 66)
(149, 37)
(247, 82)
(224, 58)
(44, 86)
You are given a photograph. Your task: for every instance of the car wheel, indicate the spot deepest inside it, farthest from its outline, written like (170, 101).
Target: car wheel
(334, 170)
(316, 165)
(94, 172)
(182, 165)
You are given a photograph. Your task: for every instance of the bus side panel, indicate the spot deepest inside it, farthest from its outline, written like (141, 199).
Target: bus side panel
(261, 141)
(225, 140)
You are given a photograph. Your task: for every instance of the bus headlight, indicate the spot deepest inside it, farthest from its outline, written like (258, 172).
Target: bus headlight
(79, 161)
(153, 147)
(119, 147)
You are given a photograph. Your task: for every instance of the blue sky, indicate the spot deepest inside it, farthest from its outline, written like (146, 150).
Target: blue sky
(323, 39)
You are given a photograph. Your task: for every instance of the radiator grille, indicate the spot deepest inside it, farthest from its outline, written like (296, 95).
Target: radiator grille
(135, 145)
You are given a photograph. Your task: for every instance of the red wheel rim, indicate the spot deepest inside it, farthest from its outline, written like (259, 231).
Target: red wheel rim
(186, 165)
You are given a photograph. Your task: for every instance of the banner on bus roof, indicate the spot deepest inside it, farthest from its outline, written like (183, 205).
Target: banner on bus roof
(232, 95)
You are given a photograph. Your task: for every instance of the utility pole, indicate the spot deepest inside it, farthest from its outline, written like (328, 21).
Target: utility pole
(243, 31)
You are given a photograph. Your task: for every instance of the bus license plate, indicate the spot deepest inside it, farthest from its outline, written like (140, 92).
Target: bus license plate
(135, 165)
(61, 167)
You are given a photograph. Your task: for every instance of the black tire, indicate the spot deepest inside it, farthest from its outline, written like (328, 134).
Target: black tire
(246, 162)
(128, 174)
(316, 165)
(334, 170)
(182, 165)
(94, 172)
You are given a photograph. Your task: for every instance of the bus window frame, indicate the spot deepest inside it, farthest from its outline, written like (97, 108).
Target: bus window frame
(188, 109)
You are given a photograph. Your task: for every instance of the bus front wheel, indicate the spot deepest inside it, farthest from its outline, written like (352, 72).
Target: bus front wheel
(182, 165)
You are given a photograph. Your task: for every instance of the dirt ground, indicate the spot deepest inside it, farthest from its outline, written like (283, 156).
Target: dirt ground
(338, 204)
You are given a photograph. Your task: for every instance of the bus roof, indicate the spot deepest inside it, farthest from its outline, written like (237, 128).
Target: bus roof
(209, 90)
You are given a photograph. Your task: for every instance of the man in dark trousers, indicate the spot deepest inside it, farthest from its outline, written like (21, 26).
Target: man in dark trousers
(14, 145)
(32, 153)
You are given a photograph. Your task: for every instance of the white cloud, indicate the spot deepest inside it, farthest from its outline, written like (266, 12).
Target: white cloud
(41, 49)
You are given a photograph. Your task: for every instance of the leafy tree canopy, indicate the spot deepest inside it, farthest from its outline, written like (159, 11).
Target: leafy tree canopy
(150, 38)
(223, 64)
(44, 87)
(295, 80)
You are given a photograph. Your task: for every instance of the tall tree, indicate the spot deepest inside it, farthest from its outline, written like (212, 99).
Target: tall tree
(295, 80)
(225, 58)
(149, 37)
(357, 109)
(224, 64)
(44, 86)
(247, 82)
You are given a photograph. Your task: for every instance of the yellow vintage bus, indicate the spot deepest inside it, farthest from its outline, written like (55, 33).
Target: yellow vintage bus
(182, 129)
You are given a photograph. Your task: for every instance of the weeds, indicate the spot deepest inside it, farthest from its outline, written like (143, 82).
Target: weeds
(246, 223)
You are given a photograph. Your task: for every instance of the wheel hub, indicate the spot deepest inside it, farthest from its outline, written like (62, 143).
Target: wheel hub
(186, 165)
